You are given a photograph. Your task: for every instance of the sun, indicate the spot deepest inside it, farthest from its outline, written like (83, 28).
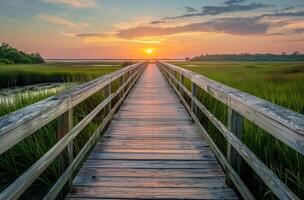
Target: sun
(149, 51)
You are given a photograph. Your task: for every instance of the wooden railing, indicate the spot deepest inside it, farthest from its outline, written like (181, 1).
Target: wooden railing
(19, 125)
(280, 122)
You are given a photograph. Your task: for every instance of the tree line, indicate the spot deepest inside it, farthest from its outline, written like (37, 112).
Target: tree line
(296, 56)
(10, 55)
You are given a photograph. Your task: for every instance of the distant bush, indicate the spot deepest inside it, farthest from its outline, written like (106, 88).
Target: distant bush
(10, 55)
(296, 56)
(5, 61)
(126, 63)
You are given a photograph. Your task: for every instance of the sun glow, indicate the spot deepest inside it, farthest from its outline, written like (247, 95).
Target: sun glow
(149, 51)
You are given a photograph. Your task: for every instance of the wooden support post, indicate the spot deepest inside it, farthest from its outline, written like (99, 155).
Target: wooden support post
(235, 125)
(194, 95)
(121, 82)
(107, 94)
(65, 124)
(181, 81)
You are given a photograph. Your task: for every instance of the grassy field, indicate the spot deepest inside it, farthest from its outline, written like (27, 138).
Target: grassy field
(19, 158)
(31, 74)
(280, 83)
(27, 74)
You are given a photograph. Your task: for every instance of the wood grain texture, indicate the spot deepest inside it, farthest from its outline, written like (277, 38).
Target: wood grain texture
(282, 123)
(18, 125)
(152, 150)
(230, 172)
(269, 178)
(57, 187)
(15, 190)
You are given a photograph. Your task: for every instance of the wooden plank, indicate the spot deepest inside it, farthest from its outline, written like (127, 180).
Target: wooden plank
(152, 193)
(158, 173)
(157, 146)
(56, 188)
(24, 181)
(147, 164)
(150, 182)
(109, 149)
(153, 156)
(152, 150)
(282, 123)
(18, 125)
(238, 182)
(269, 178)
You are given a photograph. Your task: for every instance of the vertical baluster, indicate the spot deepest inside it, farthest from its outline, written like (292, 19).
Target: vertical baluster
(107, 94)
(181, 81)
(121, 82)
(194, 95)
(235, 125)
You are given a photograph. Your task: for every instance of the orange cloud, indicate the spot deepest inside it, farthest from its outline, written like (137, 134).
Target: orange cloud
(61, 21)
(74, 3)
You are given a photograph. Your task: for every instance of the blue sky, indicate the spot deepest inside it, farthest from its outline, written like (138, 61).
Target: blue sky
(122, 28)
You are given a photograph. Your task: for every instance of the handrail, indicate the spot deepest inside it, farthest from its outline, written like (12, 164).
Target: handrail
(284, 124)
(16, 126)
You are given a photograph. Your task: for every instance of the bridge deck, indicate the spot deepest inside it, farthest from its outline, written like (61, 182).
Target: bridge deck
(151, 150)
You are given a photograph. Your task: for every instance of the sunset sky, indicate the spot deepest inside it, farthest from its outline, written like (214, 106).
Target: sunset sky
(171, 28)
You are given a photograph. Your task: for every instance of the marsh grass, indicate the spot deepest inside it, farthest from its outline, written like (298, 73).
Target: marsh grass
(280, 83)
(20, 157)
(29, 74)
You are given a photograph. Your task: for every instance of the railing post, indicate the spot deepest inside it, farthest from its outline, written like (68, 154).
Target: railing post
(181, 81)
(235, 125)
(121, 82)
(65, 124)
(194, 95)
(107, 94)
(172, 74)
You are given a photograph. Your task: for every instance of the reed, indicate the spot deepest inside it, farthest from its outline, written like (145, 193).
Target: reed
(280, 83)
(19, 158)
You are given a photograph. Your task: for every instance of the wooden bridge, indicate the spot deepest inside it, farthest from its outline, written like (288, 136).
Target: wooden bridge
(155, 146)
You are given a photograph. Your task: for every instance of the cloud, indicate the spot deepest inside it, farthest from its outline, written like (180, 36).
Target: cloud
(285, 14)
(103, 37)
(157, 22)
(190, 9)
(229, 2)
(145, 34)
(299, 30)
(235, 26)
(73, 3)
(61, 21)
(216, 10)
(261, 25)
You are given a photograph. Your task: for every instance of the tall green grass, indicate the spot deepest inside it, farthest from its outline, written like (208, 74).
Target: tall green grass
(29, 74)
(280, 83)
(20, 157)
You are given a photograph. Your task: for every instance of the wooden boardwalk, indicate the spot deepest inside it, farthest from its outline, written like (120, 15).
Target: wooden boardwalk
(151, 150)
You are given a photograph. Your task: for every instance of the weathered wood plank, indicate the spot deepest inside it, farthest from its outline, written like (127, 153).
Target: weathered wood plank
(18, 125)
(239, 184)
(269, 178)
(152, 150)
(158, 173)
(151, 182)
(152, 193)
(16, 189)
(282, 123)
(53, 192)
(153, 156)
(148, 164)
